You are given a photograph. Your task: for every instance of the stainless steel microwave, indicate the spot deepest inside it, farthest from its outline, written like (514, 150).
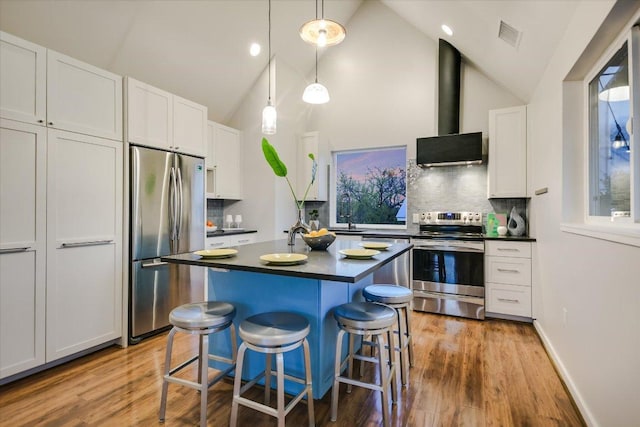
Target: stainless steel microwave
(446, 150)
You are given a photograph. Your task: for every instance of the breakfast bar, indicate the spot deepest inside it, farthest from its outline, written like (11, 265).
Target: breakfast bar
(309, 287)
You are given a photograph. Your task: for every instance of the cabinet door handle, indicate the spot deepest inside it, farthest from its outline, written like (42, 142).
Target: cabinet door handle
(507, 270)
(40, 121)
(154, 264)
(14, 250)
(511, 301)
(89, 243)
(50, 123)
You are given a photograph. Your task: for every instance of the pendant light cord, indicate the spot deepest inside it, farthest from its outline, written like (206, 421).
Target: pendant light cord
(316, 64)
(269, 83)
(619, 129)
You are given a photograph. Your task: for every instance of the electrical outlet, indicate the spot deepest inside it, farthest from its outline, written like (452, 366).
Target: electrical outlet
(564, 316)
(416, 218)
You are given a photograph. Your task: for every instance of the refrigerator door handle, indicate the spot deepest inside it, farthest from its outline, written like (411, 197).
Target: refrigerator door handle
(180, 207)
(173, 202)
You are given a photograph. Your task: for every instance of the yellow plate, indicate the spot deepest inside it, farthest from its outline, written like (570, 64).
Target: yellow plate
(376, 245)
(283, 259)
(359, 253)
(216, 253)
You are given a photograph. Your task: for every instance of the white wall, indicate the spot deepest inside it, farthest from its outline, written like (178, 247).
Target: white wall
(597, 349)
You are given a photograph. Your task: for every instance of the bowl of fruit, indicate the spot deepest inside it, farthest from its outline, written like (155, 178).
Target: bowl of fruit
(211, 226)
(319, 240)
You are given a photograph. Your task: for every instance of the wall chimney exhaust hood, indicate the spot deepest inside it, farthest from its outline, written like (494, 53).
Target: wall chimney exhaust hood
(449, 150)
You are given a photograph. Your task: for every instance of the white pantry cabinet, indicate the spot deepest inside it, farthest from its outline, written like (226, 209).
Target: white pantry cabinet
(508, 278)
(224, 175)
(507, 169)
(157, 118)
(22, 246)
(84, 242)
(310, 143)
(44, 87)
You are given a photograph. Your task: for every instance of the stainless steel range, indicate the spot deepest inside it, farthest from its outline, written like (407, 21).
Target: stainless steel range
(448, 264)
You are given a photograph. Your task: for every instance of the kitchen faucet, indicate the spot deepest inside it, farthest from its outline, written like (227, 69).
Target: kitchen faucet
(346, 199)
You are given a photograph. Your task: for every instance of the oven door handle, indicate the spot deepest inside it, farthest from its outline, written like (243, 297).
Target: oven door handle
(448, 248)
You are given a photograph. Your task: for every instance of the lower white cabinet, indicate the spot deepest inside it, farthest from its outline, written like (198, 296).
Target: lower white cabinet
(22, 246)
(508, 278)
(232, 240)
(84, 242)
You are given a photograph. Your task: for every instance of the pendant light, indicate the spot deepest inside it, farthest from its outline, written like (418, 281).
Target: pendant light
(322, 32)
(316, 93)
(269, 114)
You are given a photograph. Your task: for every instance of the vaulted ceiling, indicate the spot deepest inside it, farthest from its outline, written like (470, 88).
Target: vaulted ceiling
(199, 49)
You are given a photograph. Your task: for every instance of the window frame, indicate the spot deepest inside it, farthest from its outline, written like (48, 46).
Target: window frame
(333, 193)
(632, 38)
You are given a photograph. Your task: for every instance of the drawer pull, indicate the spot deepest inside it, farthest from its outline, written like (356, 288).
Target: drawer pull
(13, 250)
(243, 241)
(89, 243)
(511, 301)
(507, 270)
(213, 245)
(509, 249)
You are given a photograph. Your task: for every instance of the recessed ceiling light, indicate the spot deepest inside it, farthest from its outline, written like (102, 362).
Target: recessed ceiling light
(447, 30)
(254, 50)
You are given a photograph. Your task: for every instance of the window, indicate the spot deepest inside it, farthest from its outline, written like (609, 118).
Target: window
(610, 92)
(369, 188)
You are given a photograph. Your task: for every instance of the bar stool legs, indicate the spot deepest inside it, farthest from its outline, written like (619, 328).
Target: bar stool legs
(372, 319)
(199, 319)
(273, 333)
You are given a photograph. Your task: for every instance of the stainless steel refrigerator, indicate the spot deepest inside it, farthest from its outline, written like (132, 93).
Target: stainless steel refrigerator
(167, 217)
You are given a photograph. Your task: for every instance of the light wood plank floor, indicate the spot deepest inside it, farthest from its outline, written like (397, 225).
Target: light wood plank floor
(467, 373)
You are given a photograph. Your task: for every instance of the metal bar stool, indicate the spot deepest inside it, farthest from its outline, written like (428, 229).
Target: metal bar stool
(200, 319)
(376, 320)
(273, 333)
(398, 298)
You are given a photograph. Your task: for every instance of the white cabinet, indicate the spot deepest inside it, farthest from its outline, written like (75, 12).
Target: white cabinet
(22, 246)
(23, 80)
(156, 118)
(310, 143)
(224, 177)
(508, 278)
(231, 240)
(44, 87)
(507, 169)
(84, 242)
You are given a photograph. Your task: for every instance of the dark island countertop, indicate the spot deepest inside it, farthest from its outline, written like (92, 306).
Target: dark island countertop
(321, 265)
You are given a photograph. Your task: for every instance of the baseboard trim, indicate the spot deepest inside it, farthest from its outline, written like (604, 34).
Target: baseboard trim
(578, 400)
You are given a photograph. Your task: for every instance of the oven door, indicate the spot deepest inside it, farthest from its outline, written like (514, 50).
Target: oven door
(448, 277)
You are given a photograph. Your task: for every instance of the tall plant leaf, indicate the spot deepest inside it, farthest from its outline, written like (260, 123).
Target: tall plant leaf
(271, 155)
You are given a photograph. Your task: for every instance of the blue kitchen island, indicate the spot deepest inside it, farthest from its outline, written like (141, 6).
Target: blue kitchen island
(325, 280)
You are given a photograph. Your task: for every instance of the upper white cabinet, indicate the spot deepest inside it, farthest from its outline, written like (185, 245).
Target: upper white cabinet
(22, 246)
(23, 80)
(310, 143)
(224, 178)
(44, 87)
(84, 242)
(507, 170)
(157, 118)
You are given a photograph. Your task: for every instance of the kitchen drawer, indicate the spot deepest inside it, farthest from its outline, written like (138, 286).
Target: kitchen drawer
(508, 249)
(226, 241)
(508, 299)
(512, 271)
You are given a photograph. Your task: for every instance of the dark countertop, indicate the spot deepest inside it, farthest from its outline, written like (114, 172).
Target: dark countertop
(407, 234)
(219, 233)
(322, 265)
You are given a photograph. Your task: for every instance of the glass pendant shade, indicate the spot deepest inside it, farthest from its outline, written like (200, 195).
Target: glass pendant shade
(269, 119)
(322, 32)
(315, 93)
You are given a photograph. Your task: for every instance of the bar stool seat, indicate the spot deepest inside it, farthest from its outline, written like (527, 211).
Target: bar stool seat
(376, 320)
(273, 333)
(202, 319)
(398, 298)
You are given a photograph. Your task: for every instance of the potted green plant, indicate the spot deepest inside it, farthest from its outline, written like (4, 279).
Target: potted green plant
(280, 169)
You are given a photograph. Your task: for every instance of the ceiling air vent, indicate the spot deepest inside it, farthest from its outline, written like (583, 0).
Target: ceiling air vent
(509, 34)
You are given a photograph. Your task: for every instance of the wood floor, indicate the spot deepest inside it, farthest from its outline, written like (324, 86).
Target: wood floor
(467, 373)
